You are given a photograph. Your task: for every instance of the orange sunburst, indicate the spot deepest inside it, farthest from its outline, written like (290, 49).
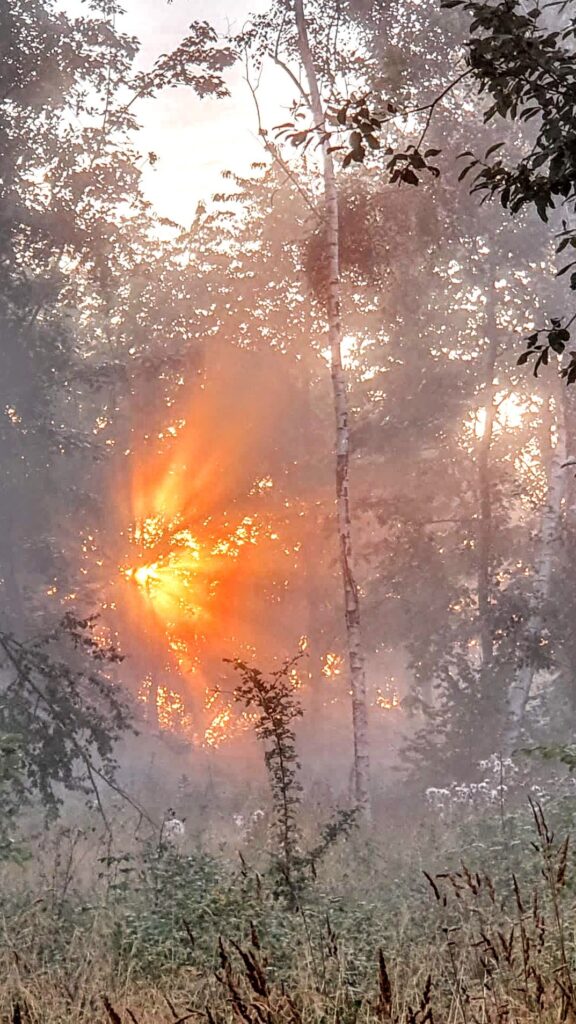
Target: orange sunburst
(208, 546)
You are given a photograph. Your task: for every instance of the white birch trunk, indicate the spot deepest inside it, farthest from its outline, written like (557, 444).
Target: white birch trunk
(485, 494)
(550, 531)
(340, 397)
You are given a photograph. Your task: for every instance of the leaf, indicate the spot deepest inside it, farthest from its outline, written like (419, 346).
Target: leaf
(409, 177)
(556, 342)
(542, 360)
(566, 268)
(464, 172)
(298, 138)
(417, 161)
(492, 149)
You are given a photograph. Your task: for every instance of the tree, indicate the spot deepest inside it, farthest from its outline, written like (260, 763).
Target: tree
(268, 34)
(463, 533)
(335, 334)
(73, 219)
(523, 59)
(59, 721)
(72, 213)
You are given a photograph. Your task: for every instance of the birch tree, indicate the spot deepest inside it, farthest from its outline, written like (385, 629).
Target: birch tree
(282, 37)
(549, 536)
(485, 492)
(341, 412)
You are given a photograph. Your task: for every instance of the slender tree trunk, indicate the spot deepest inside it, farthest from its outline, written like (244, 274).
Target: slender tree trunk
(351, 600)
(548, 540)
(312, 591)
(570, 426)
(485, 495)
(13, 612)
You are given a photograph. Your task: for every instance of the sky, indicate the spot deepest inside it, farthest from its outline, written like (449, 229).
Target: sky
(196, 140)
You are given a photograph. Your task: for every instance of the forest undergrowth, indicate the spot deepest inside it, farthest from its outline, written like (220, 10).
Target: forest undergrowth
(456, 908)
(469, 921)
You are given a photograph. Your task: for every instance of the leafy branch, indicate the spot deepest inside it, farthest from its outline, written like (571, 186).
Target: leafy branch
(60, 721)
(277, 708)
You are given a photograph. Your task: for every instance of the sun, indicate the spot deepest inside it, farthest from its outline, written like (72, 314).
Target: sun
(144, 574)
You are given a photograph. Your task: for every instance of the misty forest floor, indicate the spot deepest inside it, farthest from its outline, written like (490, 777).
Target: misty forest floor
(461, 914)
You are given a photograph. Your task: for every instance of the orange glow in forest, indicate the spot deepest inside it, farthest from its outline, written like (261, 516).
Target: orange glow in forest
(205, 541)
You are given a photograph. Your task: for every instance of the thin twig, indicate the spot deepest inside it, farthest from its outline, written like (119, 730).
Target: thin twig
(272, 149)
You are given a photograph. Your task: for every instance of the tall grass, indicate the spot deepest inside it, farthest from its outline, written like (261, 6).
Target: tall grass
(390, 929)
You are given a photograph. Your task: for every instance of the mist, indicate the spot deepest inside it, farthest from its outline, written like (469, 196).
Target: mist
(288, 505)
